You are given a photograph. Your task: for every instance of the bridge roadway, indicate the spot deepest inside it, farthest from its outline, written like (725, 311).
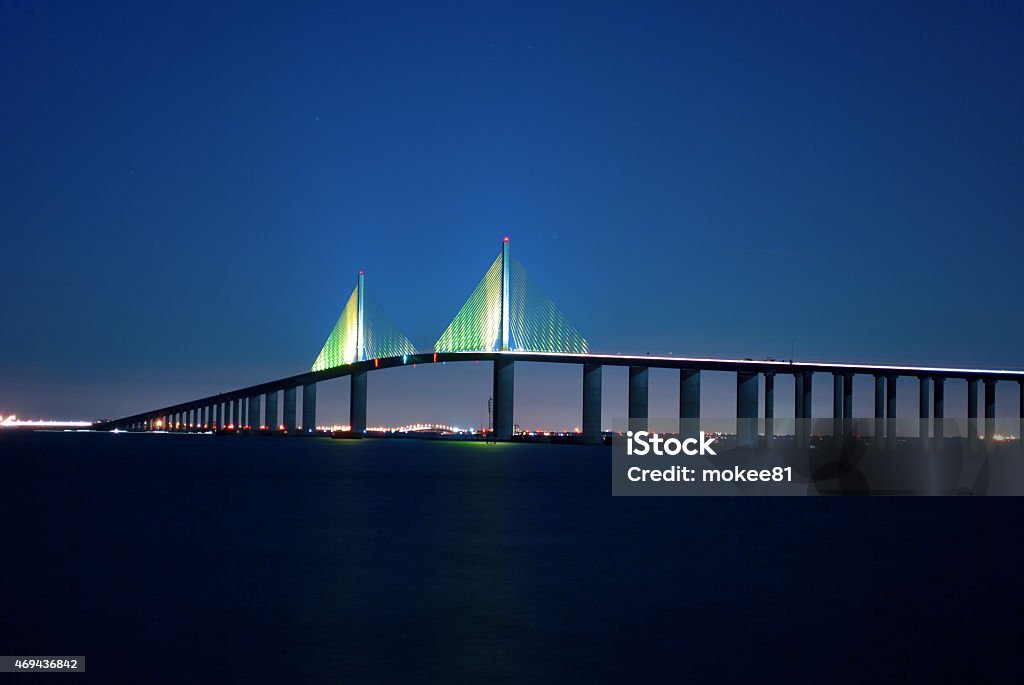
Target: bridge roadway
(241, 408)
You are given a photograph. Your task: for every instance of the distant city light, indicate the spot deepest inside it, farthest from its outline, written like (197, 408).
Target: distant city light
(13, 421)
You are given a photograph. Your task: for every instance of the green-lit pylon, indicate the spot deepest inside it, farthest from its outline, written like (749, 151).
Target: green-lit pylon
(363, 331)
(508, 311)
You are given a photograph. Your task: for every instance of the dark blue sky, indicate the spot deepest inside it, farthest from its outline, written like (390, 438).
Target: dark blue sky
(187, 193)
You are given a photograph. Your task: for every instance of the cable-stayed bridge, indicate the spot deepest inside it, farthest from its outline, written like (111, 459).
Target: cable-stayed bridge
(508, 318)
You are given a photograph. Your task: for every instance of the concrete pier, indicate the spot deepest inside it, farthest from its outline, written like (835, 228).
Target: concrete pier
(214, 423)
(808, 396)
(592, 403)
(808, 403)
(990, 413)
(309, 408)
(746, 408)
(289, 410)
(357, 403)
(890, 411)
(848, 404)
(972, 415)
(638, 394)
(769, 408)
(254, 413)
(270, 420)
(924, 400)
(879, 409)
(837, 407)
(798, 410)
(938, 413)
(689, 401)
(504, 397)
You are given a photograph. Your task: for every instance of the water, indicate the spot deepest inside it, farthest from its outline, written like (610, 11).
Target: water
(166, 558)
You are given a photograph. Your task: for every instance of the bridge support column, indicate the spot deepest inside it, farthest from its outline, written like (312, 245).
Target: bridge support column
(990, 414)
(309, 408)
(808, 404)
(689, 401)
(808, 395)
(504, 397)
(798, 410)
(972, 415)
(592, 403)
(879, 409)
(848, 405)
(638, 395)
(837, 408)
(890, 411)
(357, 403)
(938, 410)
(271, 420)
(215, 410)
(746, 409)
(289, 410)
(769, 408)
(254, 414)
(924, 399)
(1020, 410)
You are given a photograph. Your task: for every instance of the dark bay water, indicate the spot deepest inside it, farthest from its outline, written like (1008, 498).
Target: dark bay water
(166, 558)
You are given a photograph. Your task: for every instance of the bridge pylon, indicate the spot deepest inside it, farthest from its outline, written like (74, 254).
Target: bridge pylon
(363, 331)
(508, 312)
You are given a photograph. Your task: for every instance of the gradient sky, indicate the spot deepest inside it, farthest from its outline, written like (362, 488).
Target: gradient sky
(187, 192)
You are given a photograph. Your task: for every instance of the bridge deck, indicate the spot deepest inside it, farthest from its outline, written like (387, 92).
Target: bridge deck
(650, 361)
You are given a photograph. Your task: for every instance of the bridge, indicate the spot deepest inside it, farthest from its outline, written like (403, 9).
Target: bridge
(508, 319)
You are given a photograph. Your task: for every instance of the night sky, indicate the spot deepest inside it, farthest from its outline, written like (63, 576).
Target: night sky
(187, 193)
